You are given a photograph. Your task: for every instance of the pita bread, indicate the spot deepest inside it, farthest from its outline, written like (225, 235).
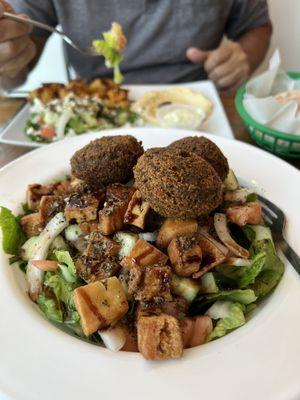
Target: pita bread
(285, 97)
(149, 103)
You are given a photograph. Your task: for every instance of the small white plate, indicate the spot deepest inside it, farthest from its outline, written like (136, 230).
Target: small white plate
(259, 361)
(217, 123)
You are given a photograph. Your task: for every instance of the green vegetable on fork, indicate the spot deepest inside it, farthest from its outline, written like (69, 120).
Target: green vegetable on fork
(111, 47)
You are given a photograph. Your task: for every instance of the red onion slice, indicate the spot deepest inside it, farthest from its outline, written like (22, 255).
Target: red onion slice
(223, 233)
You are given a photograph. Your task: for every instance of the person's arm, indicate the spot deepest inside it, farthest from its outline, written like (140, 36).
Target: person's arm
(249, 31)
(255, 43)
(19, 51)
(232, 63)
(17, 68)
(20, 45)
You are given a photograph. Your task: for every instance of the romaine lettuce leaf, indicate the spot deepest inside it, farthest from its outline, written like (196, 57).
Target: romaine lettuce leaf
(62, 289)
(234, 320)
(246, 296)
(66, 265)
(272, 269)
(204, 301)
(12, 234)
(111, 48)
(250, 273)
(49, 308)
(261, 276)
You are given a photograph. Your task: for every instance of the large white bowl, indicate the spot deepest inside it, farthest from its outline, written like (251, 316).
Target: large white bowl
(259, 361)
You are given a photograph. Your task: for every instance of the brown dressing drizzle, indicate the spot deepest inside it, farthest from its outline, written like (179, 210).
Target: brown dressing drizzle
(130, 216)
(144, 254)
(193, 259)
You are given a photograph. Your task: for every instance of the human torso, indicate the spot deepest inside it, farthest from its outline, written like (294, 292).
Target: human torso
(158, 31)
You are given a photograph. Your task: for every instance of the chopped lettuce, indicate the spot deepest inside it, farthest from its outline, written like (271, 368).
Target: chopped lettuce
(62, 289)
(272, 270)
(233, 320)
(60, 284)
(243, 276)
(246, 296)
(250, 273)
(252, 197)
(66, 265)
(77, 124)
(204, 301)
(49, 308)
(111, 48)
(12, 234)
(261, 276)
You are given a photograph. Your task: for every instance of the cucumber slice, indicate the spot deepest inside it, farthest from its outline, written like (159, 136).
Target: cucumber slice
(89, 120)
(76, 124)
(73, 232)
(208, 283)
(231, 182)
(185, 287)
(262, 233)
(127, 240)
(28, 249)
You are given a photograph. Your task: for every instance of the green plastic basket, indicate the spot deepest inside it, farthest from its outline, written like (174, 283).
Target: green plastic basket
(279, 143)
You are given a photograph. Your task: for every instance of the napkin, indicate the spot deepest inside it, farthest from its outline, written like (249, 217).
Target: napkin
(264, 108)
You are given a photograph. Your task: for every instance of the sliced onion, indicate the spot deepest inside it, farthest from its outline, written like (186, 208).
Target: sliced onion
(148, 236)
(62, 123)
(113, 338)
(238, 262)
(239, 195)
(221, 228)
(220, 309)
(34, 275)
(45, 265)
(211, 249)
(218, 245)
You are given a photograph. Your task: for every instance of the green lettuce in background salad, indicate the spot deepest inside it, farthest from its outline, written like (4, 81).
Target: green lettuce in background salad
(111, 47)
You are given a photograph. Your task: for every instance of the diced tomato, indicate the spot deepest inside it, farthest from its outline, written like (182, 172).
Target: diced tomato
(45, 265)
(249, 213)
(195, 330)
(47, 132)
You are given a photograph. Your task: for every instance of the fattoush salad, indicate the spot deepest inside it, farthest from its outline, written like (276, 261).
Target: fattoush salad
(149, 251)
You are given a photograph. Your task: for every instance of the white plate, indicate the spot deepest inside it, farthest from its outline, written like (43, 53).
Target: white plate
(259, 361)
(13, 132)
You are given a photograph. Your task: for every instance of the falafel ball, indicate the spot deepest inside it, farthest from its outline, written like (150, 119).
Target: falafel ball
(178, 184)
(109, 159)
(206, 149)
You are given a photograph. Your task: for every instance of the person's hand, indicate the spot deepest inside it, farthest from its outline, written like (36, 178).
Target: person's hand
(16, 47)
(228, 66)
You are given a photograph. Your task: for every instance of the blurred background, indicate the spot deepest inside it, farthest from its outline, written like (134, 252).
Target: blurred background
(284, 14)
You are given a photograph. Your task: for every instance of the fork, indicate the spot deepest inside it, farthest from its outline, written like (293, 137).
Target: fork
(87, 51)
(275, 219)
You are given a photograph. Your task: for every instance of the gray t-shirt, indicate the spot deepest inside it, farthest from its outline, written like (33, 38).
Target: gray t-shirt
(158, 31)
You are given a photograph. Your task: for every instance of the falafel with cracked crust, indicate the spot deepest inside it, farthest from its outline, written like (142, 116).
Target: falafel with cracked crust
(178, 184)
(109, 159)
(205, 148)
